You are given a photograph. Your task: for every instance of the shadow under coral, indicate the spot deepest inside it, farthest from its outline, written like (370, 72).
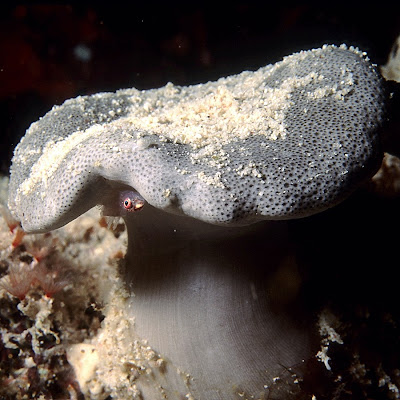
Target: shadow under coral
(222, 305)
(348, 257)
(231, 309)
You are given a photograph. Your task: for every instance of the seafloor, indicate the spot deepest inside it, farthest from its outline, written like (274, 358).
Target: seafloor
(62, 311)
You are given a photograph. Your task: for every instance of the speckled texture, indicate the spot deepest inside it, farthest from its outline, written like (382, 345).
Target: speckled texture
(286, 141)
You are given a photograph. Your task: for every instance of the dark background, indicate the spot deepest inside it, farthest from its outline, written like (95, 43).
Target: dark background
(49, 53)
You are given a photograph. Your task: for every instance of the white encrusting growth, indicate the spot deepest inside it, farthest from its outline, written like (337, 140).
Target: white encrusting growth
(302, 131)
(52, 156)
(211, 115)
(326, 324)
(235, 107)
(391, 71)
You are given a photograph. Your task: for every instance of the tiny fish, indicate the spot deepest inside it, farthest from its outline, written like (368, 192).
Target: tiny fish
(120, 204)
(131, 201)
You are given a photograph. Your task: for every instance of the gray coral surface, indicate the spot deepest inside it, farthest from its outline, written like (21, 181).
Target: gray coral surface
(286, 141)
(221, 302)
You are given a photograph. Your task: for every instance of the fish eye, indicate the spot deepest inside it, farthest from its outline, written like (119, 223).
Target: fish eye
(128, 204)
